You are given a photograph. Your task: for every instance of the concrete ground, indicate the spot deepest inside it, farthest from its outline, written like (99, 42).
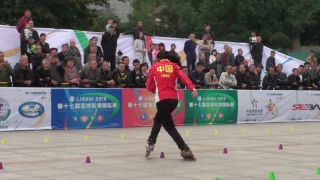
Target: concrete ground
(252, 155)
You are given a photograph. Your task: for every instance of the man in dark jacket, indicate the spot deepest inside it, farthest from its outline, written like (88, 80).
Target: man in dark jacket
(35, 34)
(218, 66)
(136, 30)
(253, 79)
(90, 75)
(239, 58)
(122, 77)
(56, 70)
(282, 77)
(42, 75)
(204, 61)
(44, 45)
(136, 68)
(256, 51)
(190, 51)
(305, 80)
(271, 61)
(106, 75)
(93, 42)
(294, 79)
(270, 80)
(197, 76)
(64, 53)
(23, 76)
(109, 45)
(36, 59)
(242, 77)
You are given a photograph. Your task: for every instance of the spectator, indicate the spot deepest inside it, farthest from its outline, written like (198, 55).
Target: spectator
(190, 51)
(136, 68)
(56, 70)
(140, 48)
(64, 53)
(150, 53)
(110, 22)
(5, 71)
(309, 70)
(313, 59)
(173, 50)
(304, 77)
(294, 79)
(253, 78)
(253, 38)
(205, 46)
(122, 77)
(42, 75)
(90, 75)
(207, 31)
(211, 80)
(259, 68)
(119, 57)
(227, 58)
(238, 60)
(126, 61)
(234, 69)
(242, 77)
(135, 31)
(227, 79)
(106, 75)
(27, 37)
(20, 28)
(115, 24)
(256, 51)
(180, 84)
(316, 79)
(93, 42)
(218, 66)
(162, 47)
(271, 61)
(1, 56)
(53, 52)
(44, 46)
(204, 62)
(36, 59)
(71, 74)
(109, 45)
(34, 38)
(270, 81)
(155, 52)
(282, 77)
(230, 51)
(141, 78)
(212, 57)
(197, 76)
(75, 53)
(23, 76)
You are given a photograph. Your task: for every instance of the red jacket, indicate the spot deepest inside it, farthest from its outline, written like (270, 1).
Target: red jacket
(21, 23)
(162, 80)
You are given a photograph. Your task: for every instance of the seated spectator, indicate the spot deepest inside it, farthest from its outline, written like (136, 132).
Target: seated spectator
(56, 70)
(180, 84)
(312, 72)
(5, 71)
(211, 80)
(213, 55)
(242, 77)
(75, 53)
(197, 76)
(238, 60)
(204, 61)
(90, 75)
(316, 80)
(282, 78)
(64, 53)
(141, 78)
(155, 53)
(93, 42)
(122, 77)
(44, 46)
(304, 78)
(42, 75)
(270, 81)
(227, 79)
(36, 59)
(126, 61)
(71, 74)
(93, 56)
(253, 79)
(106, 75)
(234, 69)
(294, 79)
(23, 76)
(136, 68)
(218, 66)
(271, 61)
(53, 51)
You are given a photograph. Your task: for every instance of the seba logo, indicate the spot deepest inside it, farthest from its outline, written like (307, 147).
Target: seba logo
(305, 107)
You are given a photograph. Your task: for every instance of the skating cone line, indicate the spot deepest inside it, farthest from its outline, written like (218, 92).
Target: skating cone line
(1, 166)
(216, 132)
(122, 136)
(88, 160)
(46, 139)
(225, 151)
(242, 131)
(292, 129)
(162, 155)
(86, 138)
(4, 141)
(318, 171)
(272, 176)
(268, 130)
(280, 147)
(187, 133)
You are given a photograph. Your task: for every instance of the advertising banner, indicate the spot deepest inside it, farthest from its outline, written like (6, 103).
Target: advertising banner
(211, 107)
(139, 108)
(86, 108)
(25, 109)
(264, 106)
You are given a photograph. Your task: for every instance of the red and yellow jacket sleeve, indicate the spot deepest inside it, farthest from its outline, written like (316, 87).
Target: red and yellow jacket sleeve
(150, 84)
(184, 78)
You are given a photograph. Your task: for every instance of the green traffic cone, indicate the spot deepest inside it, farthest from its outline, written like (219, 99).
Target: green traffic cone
(318, 171)
(271, 176)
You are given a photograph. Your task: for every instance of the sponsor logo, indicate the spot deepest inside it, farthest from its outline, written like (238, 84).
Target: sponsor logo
(4, 110)
(254, 103)
(305, 107)
(31, 110)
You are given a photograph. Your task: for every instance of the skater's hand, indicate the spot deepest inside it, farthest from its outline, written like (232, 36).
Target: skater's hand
(194, 93)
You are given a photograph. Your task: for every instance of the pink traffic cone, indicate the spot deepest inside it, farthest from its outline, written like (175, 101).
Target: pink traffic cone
(1, 167)
(88, 160)
(225, 151)
(280, 147)
(162, 155)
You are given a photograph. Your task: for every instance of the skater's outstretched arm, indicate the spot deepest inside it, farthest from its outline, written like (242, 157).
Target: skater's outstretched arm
(150, 84)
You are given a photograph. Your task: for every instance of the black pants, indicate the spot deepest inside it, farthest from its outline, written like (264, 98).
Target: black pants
(164, 118)
(191, 63)
(257, 60)
(110, 56)
(23, 47)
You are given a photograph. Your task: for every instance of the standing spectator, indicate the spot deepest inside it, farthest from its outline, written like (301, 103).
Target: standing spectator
(42, 75)
(294, 79)
(64, 53)
(204, 61)
(136, 68)
(207, 31)
(75, 53)
(173, 50)
(34, 38)
(115, 24)
(36, 59)
(226, 56)
(71, 74)
(259, 68)
(140, 48)
(218, 65)
(190, 51)
(212, 57)
(90, 75)
(211, 80)
(135, 31)
(150, 53)
(282, 77)
(109, 45)
(253, 38)
(27, 37)
(56, 70)
(205, 46)
(241, 77)
(44, 45)
(197, 76)
(106, 75)
(271, 61)
(309, 70)
(304, 78)
(316, 79)
(227, 79)
(313, 59)
(253, 79)
(110, 22)
(23, 76)
(93, 42)
(122, 77)
(180, 84)
(162, 47)
(256, 51)
(270, 81)
(141, 78)
(5, 71)
(155, 52)
(238, 60)
(20, 28)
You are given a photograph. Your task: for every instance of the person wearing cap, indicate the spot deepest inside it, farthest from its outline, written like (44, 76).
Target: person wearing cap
(109, 44)
(256, 51)
(93, 42)
(271, 61)
(44, 45)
